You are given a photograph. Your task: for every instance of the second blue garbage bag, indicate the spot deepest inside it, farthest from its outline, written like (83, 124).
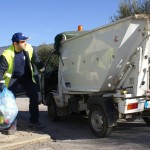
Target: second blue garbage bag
(8, 108)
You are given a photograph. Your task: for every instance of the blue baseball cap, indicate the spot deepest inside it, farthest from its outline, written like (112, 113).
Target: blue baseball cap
(18, 37)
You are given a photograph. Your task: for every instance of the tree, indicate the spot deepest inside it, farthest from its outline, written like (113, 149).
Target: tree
(44, 51)
(130, 7)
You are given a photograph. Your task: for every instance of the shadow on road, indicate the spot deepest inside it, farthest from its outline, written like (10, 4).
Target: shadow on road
(76, 128)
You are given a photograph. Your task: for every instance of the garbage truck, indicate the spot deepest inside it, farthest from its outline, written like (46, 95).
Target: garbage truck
(102, 73)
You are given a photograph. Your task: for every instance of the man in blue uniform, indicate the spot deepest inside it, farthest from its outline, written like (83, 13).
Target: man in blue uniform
(16, 72)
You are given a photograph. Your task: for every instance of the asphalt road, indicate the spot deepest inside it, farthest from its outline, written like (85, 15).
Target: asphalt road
(73, 133)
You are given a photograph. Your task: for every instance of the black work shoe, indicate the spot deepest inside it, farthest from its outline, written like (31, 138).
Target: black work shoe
(12, 129)
(36, 125)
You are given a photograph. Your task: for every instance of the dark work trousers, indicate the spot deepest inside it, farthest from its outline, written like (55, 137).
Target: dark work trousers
(25, 86)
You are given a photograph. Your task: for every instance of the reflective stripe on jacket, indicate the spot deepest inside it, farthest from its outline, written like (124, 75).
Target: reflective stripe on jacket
(9, 55)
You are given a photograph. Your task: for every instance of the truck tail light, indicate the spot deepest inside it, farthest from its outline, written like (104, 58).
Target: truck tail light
(132, 106)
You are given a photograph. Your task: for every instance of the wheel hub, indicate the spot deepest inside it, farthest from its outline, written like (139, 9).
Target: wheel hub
(97, 121)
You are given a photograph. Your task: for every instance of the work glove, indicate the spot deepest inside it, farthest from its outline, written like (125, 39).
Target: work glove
(1, 87)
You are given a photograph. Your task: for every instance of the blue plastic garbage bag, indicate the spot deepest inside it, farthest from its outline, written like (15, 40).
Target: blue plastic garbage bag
(8, 108)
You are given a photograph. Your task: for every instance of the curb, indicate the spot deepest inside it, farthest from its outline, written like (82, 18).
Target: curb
(22, 138)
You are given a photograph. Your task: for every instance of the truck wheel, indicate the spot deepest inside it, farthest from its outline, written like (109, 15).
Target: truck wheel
(98, 123)
(147, 120)
(52, 110)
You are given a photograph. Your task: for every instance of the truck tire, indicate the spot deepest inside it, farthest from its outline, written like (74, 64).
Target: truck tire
(147, 120)
(98, 123)
(52, 110)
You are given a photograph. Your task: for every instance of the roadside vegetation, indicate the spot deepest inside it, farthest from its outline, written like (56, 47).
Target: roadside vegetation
(128, 8)
(44, 51)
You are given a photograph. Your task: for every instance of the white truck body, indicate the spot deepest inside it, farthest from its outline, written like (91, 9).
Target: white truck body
(107, 59)
(96, 61)
(106, 70)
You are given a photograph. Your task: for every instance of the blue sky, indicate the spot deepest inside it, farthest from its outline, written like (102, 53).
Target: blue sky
(42, 20)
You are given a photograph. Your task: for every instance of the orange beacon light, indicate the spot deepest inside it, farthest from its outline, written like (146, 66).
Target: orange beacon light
(80, 28)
